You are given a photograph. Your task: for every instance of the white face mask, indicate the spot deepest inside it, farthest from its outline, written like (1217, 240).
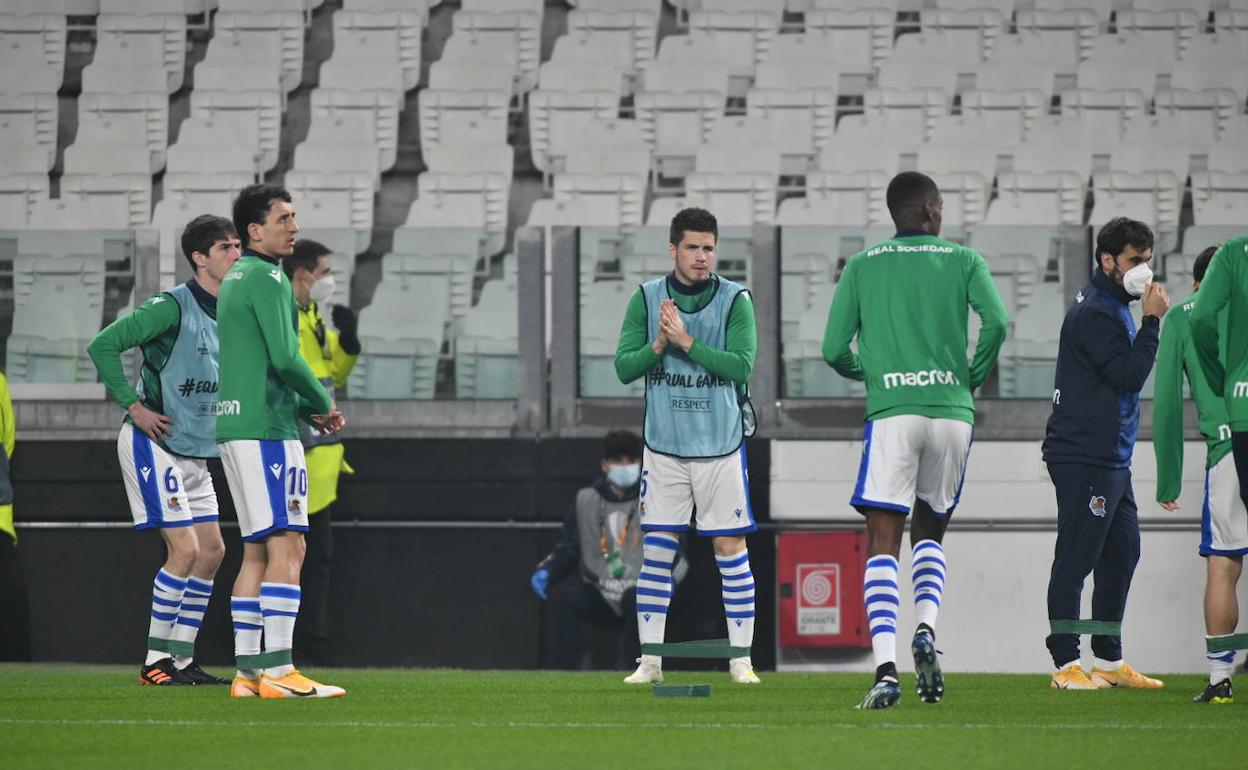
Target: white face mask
(322, 290)
(1137, 279)
(624, 476)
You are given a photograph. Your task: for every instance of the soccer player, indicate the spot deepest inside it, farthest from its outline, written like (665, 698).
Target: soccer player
(169, 432)
(331, 355)
(905, 299)
(1224, 520)
(265, 388)
(691, 334)
(1102, 364)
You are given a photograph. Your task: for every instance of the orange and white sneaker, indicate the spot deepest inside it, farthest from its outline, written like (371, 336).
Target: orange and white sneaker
(243, 687)
(1124, 676)
(1072, 678)
(296, 685)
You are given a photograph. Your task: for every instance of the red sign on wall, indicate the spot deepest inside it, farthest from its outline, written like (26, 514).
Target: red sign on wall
(818, 599)
(820, 589)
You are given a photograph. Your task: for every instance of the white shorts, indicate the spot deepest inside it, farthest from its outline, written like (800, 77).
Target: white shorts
(1223, 520)
(269, 483)
(910, 457)
(717, 490)
(165, 490)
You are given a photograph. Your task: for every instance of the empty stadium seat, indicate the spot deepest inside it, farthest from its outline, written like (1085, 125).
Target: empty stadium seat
(558, 120)
(156, 40)
(244, 112)
(1038, 198)
(1010, 113)
(839, 198)
(973, 31)
(487, 346)
(18, 195)
(1105, 114)
(600, 333)
(280, 33)
(210, 146)
(621, 38)
(860, 39)
(58, 308)
(1104, 75)
(923, 61)
(1173, 28)
(403, 330)
(379, 112)
(798, 105)
(807, 375)
(1023, 60)
(115, 179)
(602, 194)
(1067, 34)
(19, 133)
(845, 155)
(450, 252)
(510, 31)
(741, 39)
(1231, 155)
(906, 114)
(1205, 94)
(34, 40)
(1197, 238)
(140, 118)
(677, 108)
(391, 36)
(332, 198)
(1220, 198)
(1151, 196)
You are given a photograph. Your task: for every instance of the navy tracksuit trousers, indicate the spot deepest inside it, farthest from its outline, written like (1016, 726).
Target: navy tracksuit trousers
(1098, 533)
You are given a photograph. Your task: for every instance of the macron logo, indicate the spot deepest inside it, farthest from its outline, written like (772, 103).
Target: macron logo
(919, 379)
(145, 471)
(277, 470)
(1241, 390)
(276, 275)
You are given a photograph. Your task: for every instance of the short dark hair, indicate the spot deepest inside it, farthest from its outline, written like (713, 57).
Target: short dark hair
(692, 220)
(252, 206)
(203, 231)
(306, 254)
(909, 189)
(623, 443)
(1121, 232)
(1201, 265)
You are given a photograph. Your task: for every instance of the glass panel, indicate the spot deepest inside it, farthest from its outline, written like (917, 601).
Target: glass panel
(1026, 265)
(614, 261)
(58, 288)
(439, 316)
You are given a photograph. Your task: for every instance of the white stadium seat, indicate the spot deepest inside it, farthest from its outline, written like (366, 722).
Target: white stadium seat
(741, 39)
(34, 38)
(158, 41)
(1067, 35)
(376, 108)
(860, 39)
(281, 33)
(840, 198)
(1220, 198)
(906, 113)
(1037, 198)
(974, 31)
(557, 120)
(387, 38)
(514, 31)
(244, 112)
(1105, 113)
(403, 329)
(1151, 196)
(677, 108)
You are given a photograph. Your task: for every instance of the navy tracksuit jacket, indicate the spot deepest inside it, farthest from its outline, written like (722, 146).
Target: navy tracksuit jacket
(1102, 363)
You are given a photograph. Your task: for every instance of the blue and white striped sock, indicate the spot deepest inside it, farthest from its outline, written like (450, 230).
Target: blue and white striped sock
(654, 585)
(880, 592)
(248, 628)
(191, 617)
(279, 603)
(927, 580)
(1221, 664)
(167, 590)
(737, 583)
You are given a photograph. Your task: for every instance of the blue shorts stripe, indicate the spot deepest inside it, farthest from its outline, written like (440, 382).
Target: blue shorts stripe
(659, 608)
(273, 466)
(141, 449)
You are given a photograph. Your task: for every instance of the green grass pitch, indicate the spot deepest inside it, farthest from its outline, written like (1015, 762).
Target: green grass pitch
(60, 716)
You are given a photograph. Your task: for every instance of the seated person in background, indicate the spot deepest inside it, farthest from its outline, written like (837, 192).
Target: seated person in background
(603, 536)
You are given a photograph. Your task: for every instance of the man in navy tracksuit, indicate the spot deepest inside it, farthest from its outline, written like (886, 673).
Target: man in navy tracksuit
(1102, 363)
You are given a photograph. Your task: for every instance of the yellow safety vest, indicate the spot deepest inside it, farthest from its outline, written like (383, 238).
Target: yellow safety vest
(8, 434)
(319, 346)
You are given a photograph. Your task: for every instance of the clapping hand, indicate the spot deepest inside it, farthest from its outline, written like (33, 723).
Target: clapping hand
(673, 326)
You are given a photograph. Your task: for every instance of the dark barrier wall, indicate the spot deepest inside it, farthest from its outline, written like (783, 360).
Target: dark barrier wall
(442, 594)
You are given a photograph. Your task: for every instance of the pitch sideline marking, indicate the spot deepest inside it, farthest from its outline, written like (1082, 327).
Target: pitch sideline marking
(608, 725)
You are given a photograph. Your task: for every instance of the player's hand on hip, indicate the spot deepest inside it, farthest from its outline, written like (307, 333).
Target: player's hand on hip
(155, 425)
(539, 582)
(1173, 505)
(1156, 301)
